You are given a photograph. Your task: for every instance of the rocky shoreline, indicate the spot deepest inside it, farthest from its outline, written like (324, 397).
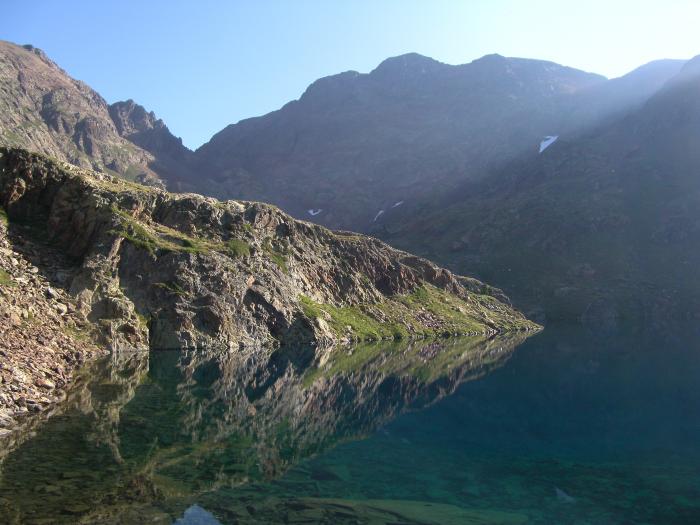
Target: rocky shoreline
(44, 339)
(89, 262)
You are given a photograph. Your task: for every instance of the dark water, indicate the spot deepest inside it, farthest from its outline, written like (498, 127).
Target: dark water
(568, 426)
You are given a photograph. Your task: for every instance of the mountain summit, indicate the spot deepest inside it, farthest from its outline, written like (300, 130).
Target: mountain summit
(356, 144)
(45, 110)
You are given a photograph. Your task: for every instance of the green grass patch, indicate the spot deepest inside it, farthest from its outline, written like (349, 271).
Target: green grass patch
(172, 287)
(158, 238)
(5, 279)
(426, 312)
(141, 238)
(275, 256)
(4, 219)
(237, 248)
(362, 326)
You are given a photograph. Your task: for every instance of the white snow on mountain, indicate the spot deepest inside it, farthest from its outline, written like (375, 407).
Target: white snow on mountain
(548, 141)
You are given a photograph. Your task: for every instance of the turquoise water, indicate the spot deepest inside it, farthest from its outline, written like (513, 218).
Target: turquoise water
(568, 426)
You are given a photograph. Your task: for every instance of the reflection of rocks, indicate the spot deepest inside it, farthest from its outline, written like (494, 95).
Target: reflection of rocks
(202, 421)
(99, 392)
(351, 512)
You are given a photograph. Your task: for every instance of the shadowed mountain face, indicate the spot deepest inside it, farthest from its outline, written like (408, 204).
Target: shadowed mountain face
(603, 225)
(45, 110)
(356, 144)
(357, 147)
(167, 427)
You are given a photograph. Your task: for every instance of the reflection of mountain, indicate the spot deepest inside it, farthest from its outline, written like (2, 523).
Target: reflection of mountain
(202, 421)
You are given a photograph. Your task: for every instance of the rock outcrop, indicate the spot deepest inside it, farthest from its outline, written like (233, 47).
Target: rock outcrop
(160, 270)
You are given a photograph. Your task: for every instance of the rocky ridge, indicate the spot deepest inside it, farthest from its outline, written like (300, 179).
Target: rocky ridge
(159, 270)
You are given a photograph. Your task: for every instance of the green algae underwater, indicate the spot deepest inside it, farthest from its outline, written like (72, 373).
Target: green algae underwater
(567, 426)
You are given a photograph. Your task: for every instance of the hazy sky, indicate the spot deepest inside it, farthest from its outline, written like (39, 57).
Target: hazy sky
(201, 65)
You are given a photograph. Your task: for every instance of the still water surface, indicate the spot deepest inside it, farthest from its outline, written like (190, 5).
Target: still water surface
(568, 426)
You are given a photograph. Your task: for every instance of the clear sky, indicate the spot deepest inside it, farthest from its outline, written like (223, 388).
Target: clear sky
(201, 65)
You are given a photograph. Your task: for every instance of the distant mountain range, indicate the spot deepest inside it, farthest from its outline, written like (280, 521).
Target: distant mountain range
(575, 193)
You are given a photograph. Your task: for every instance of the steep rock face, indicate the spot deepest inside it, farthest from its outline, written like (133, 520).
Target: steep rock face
(171, 159)
(44, 339)
(43, 109)
(163, 270)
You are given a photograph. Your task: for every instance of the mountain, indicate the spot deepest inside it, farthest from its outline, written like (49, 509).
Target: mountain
(608, 101)
(171, 160)
(355, 144)
(521, 171)
(45, 110)
(601, 226)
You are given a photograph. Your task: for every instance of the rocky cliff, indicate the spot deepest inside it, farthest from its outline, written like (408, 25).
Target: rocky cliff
(160, 270)
(43, 336)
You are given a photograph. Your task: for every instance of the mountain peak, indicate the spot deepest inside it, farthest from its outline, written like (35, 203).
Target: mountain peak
(407, 64)
(491, 57)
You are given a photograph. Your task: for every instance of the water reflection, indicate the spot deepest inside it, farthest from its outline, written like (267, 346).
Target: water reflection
(142, 437)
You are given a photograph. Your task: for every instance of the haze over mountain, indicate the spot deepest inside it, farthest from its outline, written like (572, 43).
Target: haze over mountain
(354, 146)
(603, 225)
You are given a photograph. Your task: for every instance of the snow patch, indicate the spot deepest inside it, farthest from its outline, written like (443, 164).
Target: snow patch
(563, 496)
(379, 214)
(196, 514)
(314, 212)
(397, 204)
(548, 141)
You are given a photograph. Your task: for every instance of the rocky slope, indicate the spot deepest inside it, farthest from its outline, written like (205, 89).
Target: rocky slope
(161, 270)
(602, 227)
(43, 109)
(43, 336)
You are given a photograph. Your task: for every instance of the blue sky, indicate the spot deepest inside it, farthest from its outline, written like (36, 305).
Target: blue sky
(202, 65)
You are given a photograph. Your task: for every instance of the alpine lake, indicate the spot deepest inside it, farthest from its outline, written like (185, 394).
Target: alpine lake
(568, 426)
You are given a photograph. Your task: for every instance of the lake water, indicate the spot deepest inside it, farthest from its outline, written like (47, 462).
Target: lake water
(566, 427)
